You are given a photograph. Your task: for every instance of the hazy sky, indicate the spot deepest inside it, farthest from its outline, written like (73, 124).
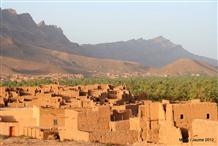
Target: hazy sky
(191, 24)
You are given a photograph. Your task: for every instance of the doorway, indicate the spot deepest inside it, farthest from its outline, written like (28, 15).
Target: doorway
(185, 135)
(12, 131)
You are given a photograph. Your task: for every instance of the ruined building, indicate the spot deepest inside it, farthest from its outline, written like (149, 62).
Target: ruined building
(105, 114)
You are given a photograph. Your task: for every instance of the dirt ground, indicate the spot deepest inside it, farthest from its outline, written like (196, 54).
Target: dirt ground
(25, 141)
(17, 141)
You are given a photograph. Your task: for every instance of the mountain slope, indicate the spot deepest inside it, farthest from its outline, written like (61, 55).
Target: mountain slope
(186, 66)
(30, 48)
(27, 47)
(22, 28)
(155, 52)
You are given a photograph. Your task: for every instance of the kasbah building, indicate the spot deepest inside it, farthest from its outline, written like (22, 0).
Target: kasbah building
(105, 114)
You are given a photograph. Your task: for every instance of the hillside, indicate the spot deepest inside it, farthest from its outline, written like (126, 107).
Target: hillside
(155, 52)
(30, 48)
(186, 66)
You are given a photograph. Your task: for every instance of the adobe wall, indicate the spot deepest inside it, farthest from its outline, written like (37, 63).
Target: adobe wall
(98, 120)
(69, 93)
(144, 120)
(16, 105)
(118, 115)
(2, 92)
(205, 132)
(24, 116)
(44, 100)
(70, 130)
(67, 134)
(51, 117)
(49, 88)
(33, 132)
(157, 111)
(74, 103)
(119, 125)
(153, 131)
(95, 92)
(169, 134)
(122, 137)
(151, 115)
(30, 90)
(134, 109)
(5, 128)
(169, 113)
(2, 103)
(118, 107)
(32, 117)
(87, 104)
(151, 111)
(134, 124)
(183, 114)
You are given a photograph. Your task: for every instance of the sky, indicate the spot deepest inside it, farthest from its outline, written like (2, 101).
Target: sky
(192, 24)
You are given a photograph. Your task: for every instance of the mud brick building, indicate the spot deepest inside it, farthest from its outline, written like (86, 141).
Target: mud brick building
(105, 114)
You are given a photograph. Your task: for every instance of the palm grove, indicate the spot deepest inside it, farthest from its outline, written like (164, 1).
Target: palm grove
(154, 88)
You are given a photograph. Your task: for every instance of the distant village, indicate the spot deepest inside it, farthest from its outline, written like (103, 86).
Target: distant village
(28, 77)
(104, 113)
(58, 76)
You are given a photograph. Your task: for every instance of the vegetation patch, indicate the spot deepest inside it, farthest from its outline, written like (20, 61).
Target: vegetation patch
(153, 88)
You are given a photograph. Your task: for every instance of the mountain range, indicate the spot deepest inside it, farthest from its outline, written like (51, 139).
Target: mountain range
(156, 52)
(31, 48)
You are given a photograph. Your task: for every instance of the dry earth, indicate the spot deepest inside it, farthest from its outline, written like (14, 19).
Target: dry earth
(17, 141)
(24, 141)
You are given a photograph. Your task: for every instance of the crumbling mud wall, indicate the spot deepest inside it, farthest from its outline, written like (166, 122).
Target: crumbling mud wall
(204, 132)
(103, 113)
(115, 137)
(70, 130)
(94, 120)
